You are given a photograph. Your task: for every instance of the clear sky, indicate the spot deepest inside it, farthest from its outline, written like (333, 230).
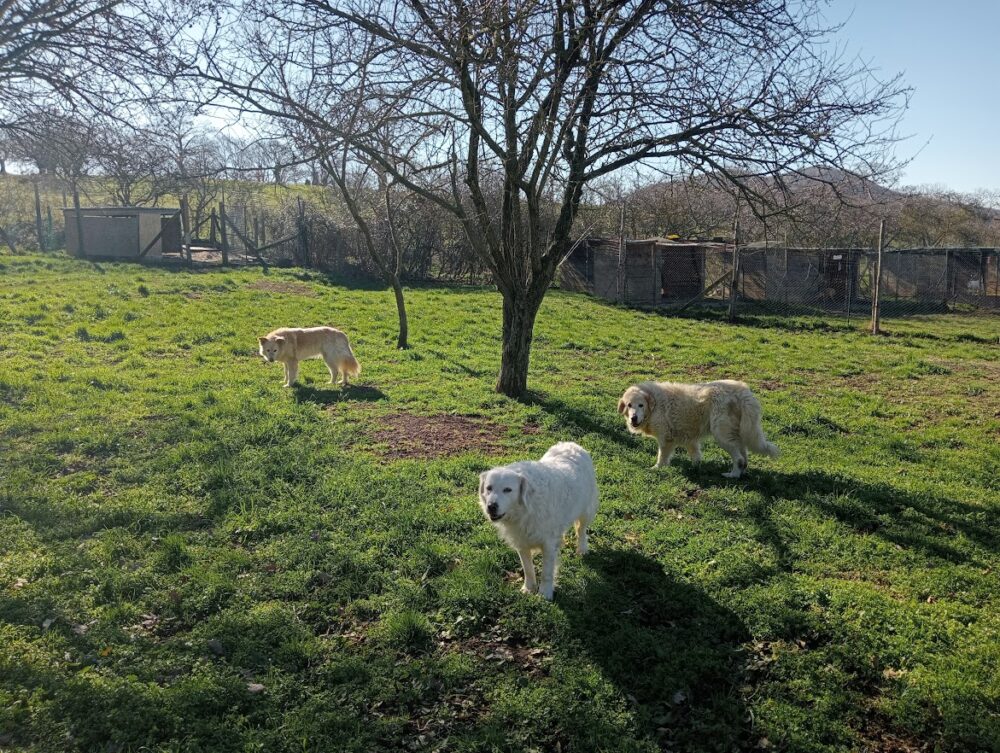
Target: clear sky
(949, 52)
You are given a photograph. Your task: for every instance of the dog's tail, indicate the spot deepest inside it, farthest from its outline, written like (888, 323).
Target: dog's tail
(348, 363)
(751, 431)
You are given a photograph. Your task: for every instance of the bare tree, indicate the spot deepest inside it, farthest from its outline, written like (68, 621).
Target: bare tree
(133, 162)
(95, 55)
(64, 145)
(537, 98)
(375, 223)
(195, 161)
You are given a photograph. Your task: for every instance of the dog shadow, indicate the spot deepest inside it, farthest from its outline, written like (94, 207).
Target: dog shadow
(923, 522)
(673, 651)
(332, 394)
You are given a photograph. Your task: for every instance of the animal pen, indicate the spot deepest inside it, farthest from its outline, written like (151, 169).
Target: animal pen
(660, 272)
(170, 234)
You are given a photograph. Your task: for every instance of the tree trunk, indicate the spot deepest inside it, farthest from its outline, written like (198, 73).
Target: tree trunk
(519, 312)
(402, 341)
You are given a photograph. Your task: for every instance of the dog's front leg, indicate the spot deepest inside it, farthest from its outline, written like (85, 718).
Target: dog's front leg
(664, 453)
(694, 452)
(550, 552)
(527, 564)
(288, 382)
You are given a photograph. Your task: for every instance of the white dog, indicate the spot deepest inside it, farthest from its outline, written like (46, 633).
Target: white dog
(532, 504)
(681, 414)
(291, 345)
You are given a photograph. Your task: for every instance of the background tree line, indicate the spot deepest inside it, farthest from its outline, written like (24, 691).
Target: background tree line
(503, 124)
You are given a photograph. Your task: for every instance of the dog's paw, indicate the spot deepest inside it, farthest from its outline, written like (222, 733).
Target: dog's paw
(732, 474)
(547, 593)
(526, 590)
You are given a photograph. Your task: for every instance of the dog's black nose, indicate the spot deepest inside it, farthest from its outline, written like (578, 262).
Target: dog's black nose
(635, 421)
(491, 508)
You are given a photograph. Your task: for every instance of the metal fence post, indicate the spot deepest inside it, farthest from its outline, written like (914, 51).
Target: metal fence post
(620, 273)
(851, 271)
(736, 271)
(877, 292)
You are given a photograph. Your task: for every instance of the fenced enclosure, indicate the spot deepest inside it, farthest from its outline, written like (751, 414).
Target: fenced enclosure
(679, 276)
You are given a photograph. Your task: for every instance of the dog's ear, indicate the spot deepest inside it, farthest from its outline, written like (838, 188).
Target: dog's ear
(527, 491)
(650, 401)
(262, 340)
(621, 405)
(280, 340)
(482, 483)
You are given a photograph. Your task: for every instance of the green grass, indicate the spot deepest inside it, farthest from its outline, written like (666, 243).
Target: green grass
(195, 559)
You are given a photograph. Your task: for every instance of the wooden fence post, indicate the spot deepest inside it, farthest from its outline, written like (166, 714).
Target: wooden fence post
(38, 217)
(185, 230)
(249, 245)
(222, 233)
(303, 242)
(211, 229)
(81, 249)
(877, 292)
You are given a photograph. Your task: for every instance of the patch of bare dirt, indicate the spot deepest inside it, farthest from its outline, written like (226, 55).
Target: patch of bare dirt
(864, 382)
(411, 436)
(878, 737)
(769, 385)
(278, 286)
(531, 428)
(493, 645)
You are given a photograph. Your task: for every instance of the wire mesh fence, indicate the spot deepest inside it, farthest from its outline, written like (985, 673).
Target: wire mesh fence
(832, 283)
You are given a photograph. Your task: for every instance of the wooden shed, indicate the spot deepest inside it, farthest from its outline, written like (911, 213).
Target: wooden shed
(123, 232)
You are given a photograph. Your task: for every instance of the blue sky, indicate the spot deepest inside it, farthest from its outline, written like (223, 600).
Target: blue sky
(949, 52)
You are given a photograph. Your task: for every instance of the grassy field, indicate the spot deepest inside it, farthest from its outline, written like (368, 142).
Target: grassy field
(195, 559)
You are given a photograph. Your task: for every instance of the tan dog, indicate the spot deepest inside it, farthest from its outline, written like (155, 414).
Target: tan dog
(289, 346)
(681, 414)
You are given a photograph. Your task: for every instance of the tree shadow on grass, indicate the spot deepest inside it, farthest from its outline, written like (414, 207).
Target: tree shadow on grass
(670, 649)
(922, 522)
(580, 419)
(351, 281)
(332, 394)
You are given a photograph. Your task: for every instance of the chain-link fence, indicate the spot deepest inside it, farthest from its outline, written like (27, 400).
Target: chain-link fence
(833, 283)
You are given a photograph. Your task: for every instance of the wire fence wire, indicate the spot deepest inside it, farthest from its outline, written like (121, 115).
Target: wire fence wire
(832, 283)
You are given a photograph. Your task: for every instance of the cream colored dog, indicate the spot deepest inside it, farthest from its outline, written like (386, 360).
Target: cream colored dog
(532, 503)
(681, 414)
(289, 346)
